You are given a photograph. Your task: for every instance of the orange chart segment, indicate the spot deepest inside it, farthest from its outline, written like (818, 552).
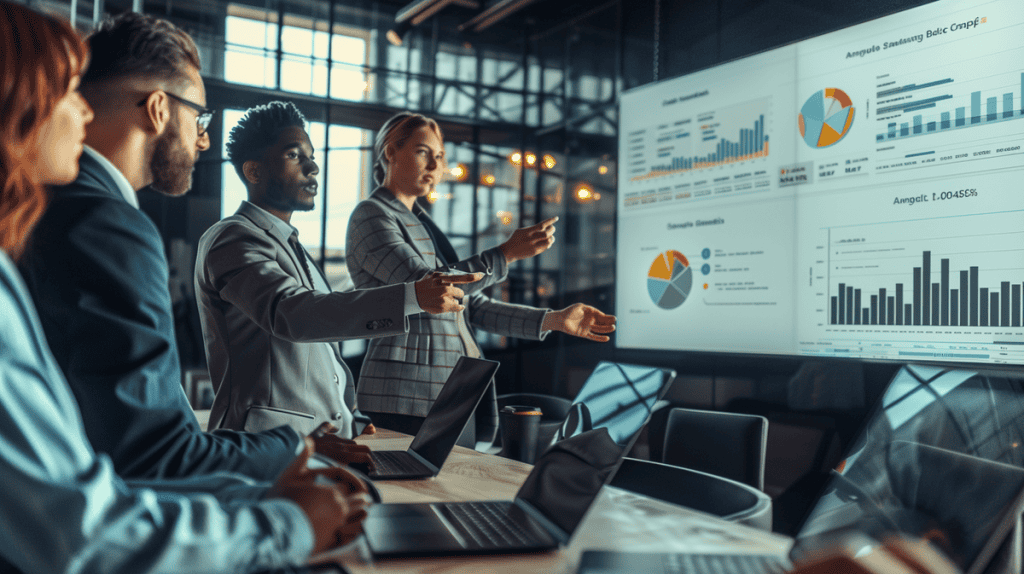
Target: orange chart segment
(661, 268)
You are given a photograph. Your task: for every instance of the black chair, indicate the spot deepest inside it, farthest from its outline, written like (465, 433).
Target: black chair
(721, 497)
(729, 445)
(553, 409)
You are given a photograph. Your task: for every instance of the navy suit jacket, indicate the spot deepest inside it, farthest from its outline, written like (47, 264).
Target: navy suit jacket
(96, 268)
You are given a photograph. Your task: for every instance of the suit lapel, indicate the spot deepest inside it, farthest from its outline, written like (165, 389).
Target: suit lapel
(413, 226)
(93, 176)
(262, 220)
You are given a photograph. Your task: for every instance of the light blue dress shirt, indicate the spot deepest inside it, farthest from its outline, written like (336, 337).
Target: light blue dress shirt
(62, 508)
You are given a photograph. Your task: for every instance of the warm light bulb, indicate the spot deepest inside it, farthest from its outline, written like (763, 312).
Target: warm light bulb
(505, 217)
(459, 172)
(531, 159)
(488, 179)
(603, 169)
(584, 193)
(549, 161)
(432, 196)
(516, 158)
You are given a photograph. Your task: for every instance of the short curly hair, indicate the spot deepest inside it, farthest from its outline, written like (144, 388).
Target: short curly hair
(258, 129)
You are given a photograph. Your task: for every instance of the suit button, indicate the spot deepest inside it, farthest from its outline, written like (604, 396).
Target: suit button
(335, 378)
(338, 416)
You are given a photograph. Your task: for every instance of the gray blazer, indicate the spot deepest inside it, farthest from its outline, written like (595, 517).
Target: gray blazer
(260, 315)
(386, 244)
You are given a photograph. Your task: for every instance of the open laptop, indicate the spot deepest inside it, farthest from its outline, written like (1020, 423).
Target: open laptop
(939, 458)
(446, 420)
(556, 495)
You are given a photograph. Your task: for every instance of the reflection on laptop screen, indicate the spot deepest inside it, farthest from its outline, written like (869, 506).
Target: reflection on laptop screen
(568, 476)
(620, 397)
(939, 458)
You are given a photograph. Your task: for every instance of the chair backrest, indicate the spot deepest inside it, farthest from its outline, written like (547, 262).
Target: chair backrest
(727, 499)
(730, 445)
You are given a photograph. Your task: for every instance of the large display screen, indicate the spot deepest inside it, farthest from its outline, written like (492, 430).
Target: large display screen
(858, 194)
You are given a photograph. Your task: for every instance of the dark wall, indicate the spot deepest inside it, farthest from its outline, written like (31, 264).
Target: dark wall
(696, 34)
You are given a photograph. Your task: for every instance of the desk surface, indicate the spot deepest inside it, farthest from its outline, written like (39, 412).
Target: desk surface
(619, 520)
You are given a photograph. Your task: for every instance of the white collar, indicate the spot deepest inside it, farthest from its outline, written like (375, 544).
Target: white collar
(122, 182)
(282, 226)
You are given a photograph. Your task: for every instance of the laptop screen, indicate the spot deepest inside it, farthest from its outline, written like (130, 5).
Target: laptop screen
(451, 410)
(620, 397)
(940, 458)
(569, 475)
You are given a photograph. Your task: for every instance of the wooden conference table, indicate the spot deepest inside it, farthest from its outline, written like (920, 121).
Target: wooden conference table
(619, 520)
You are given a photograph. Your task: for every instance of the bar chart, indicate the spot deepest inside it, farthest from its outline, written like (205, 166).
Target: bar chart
(958, 271)
(943, 299)
(978, 108)
(721, 137)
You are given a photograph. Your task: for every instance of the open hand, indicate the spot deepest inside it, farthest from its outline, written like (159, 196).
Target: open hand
(581, 320)
(436, 293)
(335, 510)
(529, 241)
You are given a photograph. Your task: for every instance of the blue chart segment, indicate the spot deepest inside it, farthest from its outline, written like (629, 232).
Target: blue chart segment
(981, 109)
(826, 117)
(669, 280)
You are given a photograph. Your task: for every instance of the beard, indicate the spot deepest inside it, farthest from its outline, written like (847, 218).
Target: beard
(279, 197)
(171, 165)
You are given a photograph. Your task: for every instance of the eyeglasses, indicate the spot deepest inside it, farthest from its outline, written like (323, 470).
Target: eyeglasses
(202, 120)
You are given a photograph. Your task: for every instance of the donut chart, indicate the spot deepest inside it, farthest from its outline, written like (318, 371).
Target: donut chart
(669, 280)
(826, 117)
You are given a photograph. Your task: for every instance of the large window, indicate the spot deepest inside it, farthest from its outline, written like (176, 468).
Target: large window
(251, 53)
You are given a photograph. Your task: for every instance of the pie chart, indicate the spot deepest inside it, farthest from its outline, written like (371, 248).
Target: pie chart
(826, 117)
(669, 280)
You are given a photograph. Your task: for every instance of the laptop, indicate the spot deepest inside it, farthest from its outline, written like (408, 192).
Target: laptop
(439, 432)
(546, 511)
(938, 458)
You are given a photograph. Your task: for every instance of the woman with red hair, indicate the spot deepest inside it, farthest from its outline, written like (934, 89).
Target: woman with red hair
(40, 109)
(62, 507)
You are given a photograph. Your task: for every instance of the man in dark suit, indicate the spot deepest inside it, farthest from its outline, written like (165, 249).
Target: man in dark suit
(98, 273)
(270, 320)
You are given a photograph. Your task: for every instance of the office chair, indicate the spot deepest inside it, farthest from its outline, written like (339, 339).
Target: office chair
(727, 499)
(729, 445)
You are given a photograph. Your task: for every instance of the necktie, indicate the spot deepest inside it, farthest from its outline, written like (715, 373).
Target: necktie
(293, 240)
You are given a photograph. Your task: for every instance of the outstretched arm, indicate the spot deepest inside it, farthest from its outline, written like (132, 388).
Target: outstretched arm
(98, 274)
(63, 508)
(377, 248)
(581, 320)
(241, 266)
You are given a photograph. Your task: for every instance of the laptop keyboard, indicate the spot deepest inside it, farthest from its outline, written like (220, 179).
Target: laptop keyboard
(395, 463)
(722, 564)
(488, 524)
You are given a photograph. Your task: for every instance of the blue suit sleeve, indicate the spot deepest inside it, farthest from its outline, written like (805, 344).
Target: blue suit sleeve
(97, 270)
(63, 509)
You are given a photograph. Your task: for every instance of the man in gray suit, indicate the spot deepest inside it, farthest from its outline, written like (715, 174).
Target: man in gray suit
(270, 321)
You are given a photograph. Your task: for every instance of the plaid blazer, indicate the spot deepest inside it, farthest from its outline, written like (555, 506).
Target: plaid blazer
(403, 374)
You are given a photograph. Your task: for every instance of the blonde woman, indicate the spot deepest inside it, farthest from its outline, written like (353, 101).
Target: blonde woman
(391, 239)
